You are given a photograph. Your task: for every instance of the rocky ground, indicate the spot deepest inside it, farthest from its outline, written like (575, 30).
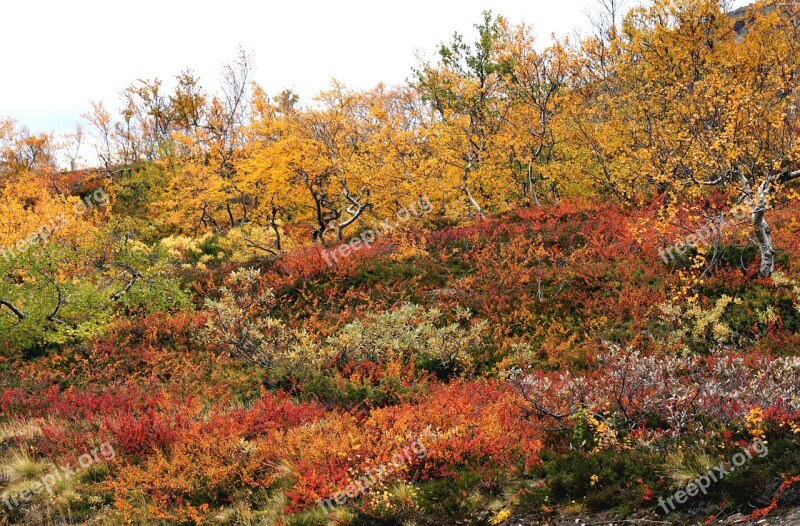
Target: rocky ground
(787, 514)
(780, 517)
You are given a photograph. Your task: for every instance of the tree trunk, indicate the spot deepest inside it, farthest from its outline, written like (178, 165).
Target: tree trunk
(761, 229)
(532, 184)
(273, 223)
(473, 202)
(763, 234)
(465, 189)
(230, 215)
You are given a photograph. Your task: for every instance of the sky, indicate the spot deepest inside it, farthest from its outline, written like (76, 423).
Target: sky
(58, 56)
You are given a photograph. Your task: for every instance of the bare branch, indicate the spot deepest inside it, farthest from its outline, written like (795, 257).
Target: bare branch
(18, 313)
(135, 275)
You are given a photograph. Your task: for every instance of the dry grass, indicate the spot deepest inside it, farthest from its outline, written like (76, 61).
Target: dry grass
(686, 465)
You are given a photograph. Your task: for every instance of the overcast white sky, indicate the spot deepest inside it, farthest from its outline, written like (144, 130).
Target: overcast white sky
(58, 55)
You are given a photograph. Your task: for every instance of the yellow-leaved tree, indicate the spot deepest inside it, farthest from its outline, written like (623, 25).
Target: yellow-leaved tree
(465, 88)
(686, 100)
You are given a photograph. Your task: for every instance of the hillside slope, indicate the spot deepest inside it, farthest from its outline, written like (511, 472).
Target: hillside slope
(546, 360)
